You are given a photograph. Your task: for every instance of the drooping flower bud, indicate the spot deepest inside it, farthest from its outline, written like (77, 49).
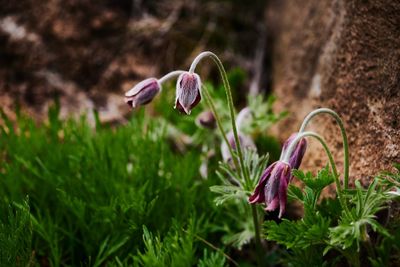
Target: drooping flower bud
(272, 187)
(245, 142)
(298, 153)
(206, 119)
(143, 92)
(187, 92)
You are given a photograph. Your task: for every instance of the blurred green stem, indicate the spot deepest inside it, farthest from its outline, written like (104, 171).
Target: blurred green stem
(257, 232)
(210, 102)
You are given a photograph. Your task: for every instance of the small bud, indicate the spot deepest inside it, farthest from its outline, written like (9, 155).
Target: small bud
(245, 142)
(206, 119)
(298, 153)
(187, 92)
(143, 92)
(272, 187)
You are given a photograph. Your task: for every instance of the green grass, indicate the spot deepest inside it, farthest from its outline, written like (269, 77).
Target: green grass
(101, 196)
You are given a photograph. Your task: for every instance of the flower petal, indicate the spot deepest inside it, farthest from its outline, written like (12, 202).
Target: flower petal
(187, 92)
(283, 184)
(271, 187)
(273, 204)
(143, 92)
(258, 196)
(150, 82)
(298, 154)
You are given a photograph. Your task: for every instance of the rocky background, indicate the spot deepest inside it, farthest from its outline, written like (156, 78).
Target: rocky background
(344, 55)
(87, 53)
(339, 54)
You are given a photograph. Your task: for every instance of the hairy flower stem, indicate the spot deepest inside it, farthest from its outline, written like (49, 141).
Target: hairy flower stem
(259, 250)
(367, 242)
(344, 137)
(242, 169)
(292, 146)
(170, 75)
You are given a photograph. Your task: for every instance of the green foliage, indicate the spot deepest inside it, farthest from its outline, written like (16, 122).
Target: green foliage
(175, 250)
(16, 236)
(233, 195)
(352, 227)
(91, 191)
(213, 259)
(327, 230)
(263, 115)
(101, 196)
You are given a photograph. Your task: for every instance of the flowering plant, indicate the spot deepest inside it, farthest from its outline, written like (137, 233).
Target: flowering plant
(248, 181)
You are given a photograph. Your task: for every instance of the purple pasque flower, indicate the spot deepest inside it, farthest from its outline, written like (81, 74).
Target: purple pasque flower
(187, 92)
(143, 92)
(272, 187)
(245, 142)
(298, 153)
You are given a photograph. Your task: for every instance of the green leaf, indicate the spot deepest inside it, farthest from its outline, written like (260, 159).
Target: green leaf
(227, 193)
(295, 193)
(318, 183)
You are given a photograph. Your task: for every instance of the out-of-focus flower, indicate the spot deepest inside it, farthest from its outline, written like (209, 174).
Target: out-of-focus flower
(246, 143)
(206, 119)
(187, 92)
(298, 153)
(142, 93)
(272, 187)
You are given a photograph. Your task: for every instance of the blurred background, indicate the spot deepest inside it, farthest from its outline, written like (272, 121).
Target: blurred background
(88, 53)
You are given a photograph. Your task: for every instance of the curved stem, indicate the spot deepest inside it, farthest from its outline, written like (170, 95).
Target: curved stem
(344, 137)
(228, 91)
(292, 146)
(170, 75)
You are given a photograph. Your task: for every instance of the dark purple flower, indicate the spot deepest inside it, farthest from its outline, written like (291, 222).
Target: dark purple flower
(143, 92)
(245, 141)
(272, 187)
(187, 92)
(298, 152)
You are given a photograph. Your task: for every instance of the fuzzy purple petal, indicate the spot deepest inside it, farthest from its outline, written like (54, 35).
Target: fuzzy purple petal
(271, 187)
(298, 154)
(273, 205)
(258, 196)
(187, 92)
(283, 184)
(142, 93)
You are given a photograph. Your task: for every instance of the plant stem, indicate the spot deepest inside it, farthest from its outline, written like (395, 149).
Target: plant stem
(367, 242)
(292, 146)
(259, 250)
(170, 75)
(344, 137)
